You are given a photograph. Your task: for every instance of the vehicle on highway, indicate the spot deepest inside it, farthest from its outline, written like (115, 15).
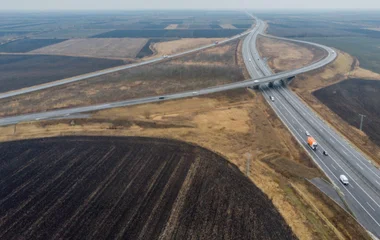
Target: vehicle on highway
(194, 93)
(307, 133)
(161, 98)
(249, 60)
(312, 143)
(271, 98)
(216, 42)
(325, 153)
(256, 81)
(165, 56)
(343, 179)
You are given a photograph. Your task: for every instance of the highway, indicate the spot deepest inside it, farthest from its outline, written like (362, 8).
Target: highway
(115, 69)
(362, 195)
(260, 26)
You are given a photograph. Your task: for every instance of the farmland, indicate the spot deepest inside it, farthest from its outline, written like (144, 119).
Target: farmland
(144, 24)
(20, 71)
(138, 188)
(115, 47)
(175, 33)
(26, 45)
(206, 68)
(354, 96)
(365, 49)
(233, 124)
(352, 33)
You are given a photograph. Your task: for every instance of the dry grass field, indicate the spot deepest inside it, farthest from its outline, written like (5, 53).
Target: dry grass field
(181, 45)
(96, 47)
(172, 26)
(207, 68)
(227, 26)
(128, 188)
(283, 55)
(232, 124)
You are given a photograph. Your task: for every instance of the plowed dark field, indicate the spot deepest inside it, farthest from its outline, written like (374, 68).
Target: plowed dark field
(20, 71)
(354, 96)
(128, 188)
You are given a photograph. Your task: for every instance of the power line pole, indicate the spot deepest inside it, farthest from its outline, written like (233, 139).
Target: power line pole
(361, 120)
(248, 163)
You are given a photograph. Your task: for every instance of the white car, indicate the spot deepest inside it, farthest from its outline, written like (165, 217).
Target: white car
(272, 98)
(194, 93)
(256, 81)
(307, 133)
(343, 179)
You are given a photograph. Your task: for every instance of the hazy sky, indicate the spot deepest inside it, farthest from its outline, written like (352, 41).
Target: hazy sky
(181, 4)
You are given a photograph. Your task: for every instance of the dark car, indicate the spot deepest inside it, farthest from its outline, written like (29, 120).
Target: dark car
(161, 98)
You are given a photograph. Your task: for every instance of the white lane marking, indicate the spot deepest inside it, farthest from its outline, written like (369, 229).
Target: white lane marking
(354, 153)
(371, 207)
(330, 155)
(332, 165)
(377, 182)
(345, 153)
(359, 166)
(290, 126)
(332, 140)
(351, 186)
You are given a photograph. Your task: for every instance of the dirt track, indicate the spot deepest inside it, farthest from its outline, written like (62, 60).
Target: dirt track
(135, 188)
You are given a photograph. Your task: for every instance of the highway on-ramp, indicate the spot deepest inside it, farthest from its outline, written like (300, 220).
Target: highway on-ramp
(362, 195)
(116, 69)
(331, 55)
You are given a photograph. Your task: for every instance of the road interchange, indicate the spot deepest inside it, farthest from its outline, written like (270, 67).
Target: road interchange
(362, 195)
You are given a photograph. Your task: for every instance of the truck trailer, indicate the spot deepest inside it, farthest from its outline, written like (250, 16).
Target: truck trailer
(312, 143)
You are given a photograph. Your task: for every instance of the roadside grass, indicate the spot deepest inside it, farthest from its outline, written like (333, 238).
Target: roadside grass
(365, 49)
(203, 69)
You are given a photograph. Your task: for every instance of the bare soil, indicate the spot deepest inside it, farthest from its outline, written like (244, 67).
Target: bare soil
(234, 124)
(207, 68)
(353, 96)
(128, 188)
(96, 47)
(21, 71)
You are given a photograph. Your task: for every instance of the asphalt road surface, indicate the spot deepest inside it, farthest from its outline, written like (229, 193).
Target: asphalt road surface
(362, 195)
(115, 69)
(260, 26)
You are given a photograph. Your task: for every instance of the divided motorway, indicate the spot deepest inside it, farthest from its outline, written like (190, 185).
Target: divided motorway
(362, 195)
(116, 69)
(260, 26)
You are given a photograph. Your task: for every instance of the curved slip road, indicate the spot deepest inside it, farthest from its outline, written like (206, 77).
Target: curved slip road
(115, 69)
(362, 195)
(260, 26)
